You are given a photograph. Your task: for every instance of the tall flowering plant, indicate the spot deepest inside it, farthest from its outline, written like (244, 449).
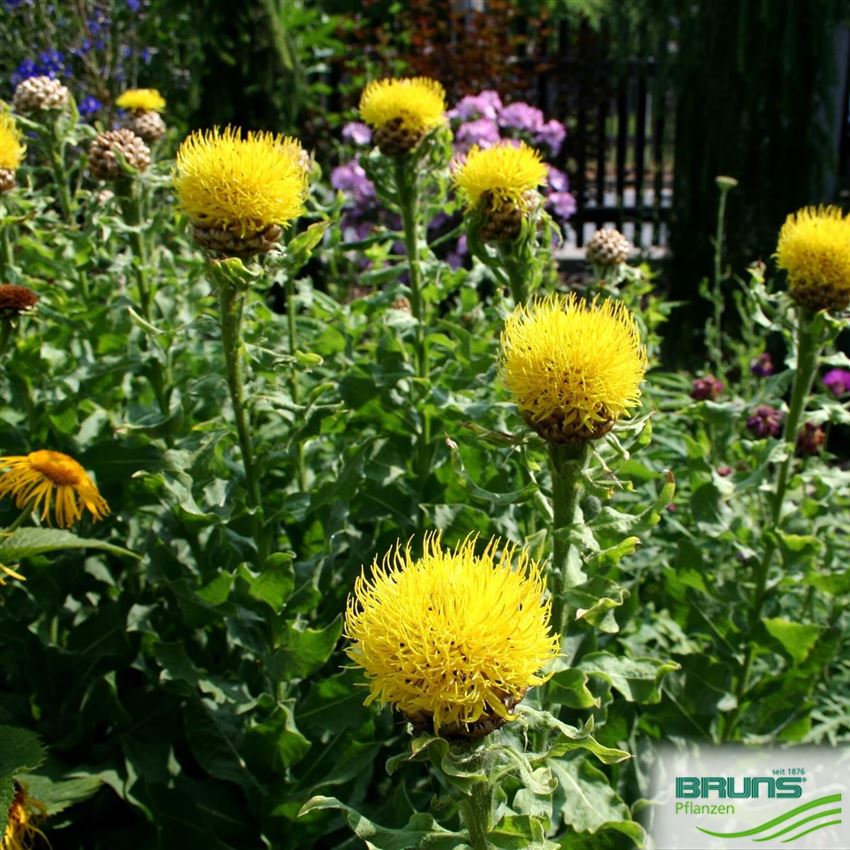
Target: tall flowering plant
(481, 122)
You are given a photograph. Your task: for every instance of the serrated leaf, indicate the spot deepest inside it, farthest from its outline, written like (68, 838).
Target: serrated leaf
(637, 679)
(421, 830)
(20, 750)
(594, 602)
(797, 639)
(304, 650)
(27, 542)
(569, 687)
(588, 803)
(568, 738)
(520, 832)
(274, 584)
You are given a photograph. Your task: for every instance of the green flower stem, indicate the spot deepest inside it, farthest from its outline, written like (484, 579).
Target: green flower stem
(23, 516)
(231, 301)
(408, 201)
(516, 272)
(293, 384)
(808, 354)
(7, 257)
(717, 294)
(56, 153)
(476, 812)
(129, 192)
(567, 461)
(5, 335)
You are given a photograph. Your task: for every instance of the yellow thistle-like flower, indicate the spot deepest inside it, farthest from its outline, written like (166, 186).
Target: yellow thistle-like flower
(238, 188)
(814, 248)
(12, 148)
(141, 100)
(35, 478)
(499, 184)
(453, 640)
(402, 111)
(25, 814)
(574, 368)
(503, 174)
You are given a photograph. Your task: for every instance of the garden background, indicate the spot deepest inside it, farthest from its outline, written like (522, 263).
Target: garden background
(175, 673)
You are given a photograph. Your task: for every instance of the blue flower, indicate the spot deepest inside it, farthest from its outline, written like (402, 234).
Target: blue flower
(28, 68)
(146, 55)
(134, 5)
(51, 63)
(88, 106)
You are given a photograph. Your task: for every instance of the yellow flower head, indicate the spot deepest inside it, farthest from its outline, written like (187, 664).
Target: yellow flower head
(242, 185)
(574, 368)
(12, 148)
(504, 174)
(33, 479)
(814, 248)
(453, 640)
(416, 104)
(25, 814)
(141, 100)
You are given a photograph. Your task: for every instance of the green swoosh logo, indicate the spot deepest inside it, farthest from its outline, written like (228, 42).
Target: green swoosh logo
(821, 801)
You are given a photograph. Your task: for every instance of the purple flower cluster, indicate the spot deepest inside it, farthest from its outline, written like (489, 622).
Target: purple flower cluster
(481, 118)
(357, 133)
(762, 366)
(765, 421)
(837, 381)
(705, 388)
(351, 179)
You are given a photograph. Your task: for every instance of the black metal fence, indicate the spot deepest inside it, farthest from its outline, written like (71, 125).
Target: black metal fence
(613, 91)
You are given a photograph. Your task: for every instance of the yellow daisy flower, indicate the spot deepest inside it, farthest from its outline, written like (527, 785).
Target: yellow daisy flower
(574, 368)
(402, 111)
(35, 478)
(141, 100)
(12, 150)
(452, 639)
(239, 188)
(25, 814)
(814, 248)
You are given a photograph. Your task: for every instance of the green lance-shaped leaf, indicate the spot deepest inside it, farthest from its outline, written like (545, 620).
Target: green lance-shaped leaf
(27, 542)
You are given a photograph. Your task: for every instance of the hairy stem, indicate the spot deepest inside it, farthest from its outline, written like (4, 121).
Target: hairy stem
(408, 199)
(476, 812)
(293, 383)
(808, 353)
(567, 462)
(56, 152)
(231, 301)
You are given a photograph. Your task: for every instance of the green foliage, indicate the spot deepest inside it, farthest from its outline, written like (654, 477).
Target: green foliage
(191, 687)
